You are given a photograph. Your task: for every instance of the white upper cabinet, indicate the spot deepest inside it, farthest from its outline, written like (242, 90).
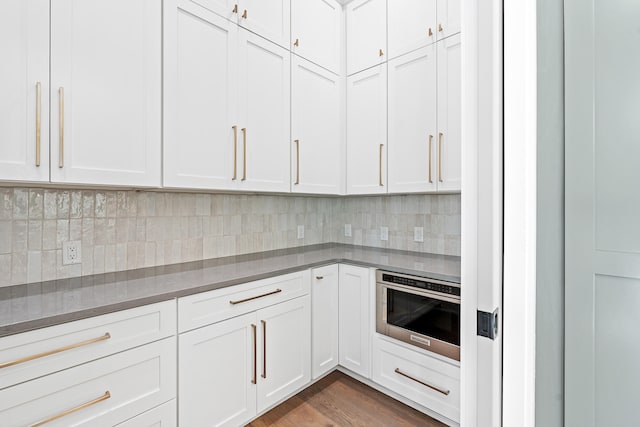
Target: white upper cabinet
(24, 85)
(412, 122)
(225, 8)
(449, 110)
(200, 98)
(448, 18)
(366, 34)
(411, 25)
(317, 123)
(269, 18)
(264, 94)
(316, 33)
(106, 92)
(367, 131)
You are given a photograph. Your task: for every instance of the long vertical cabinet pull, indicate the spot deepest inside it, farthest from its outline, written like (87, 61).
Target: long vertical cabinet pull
(297, 141)
(235, 152)
(381, 147)
(254, 379)
(244, 157)
(61, 127)
(440, 157)
(38, 121)
(264, 349)
(430, 155)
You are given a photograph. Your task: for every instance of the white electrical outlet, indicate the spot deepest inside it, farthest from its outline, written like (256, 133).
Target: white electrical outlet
(347, 230)
(301, 232)
(418, 234)
(384, 233)
(71, 252)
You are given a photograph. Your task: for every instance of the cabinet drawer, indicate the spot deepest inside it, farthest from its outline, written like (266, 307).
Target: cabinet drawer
(209, 307)
(101, 393)
(37, 353)
(418, 377)
(165, 415)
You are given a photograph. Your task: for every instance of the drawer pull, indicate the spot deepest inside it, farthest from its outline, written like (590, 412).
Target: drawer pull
(38, 121)
(277, 291)
(264, 349)
(105, 396)
(254, 379)
(432, 387)
(56, 351)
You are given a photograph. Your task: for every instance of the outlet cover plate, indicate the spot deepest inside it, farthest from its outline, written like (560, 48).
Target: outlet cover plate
(301, 232)
(347, 230)
(384, 233)
(72, 252)
(418, 234)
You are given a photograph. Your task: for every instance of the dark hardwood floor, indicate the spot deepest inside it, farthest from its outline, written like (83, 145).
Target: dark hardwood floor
(340, 401)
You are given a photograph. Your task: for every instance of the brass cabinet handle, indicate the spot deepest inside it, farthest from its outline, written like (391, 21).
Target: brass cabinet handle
(254, 380)
(235, 8)
(244, 157)
(38, 121)
(277, 291)
(430, 32)
(297, 141)
(244, 14)
(440, 157)
(55, 351)
(381, 183)
(430, 155)
(264, 348)
(440, 27)
(432, 387)
(105, 396)
(235, 152)
(296, 43)
(381, 52)
(61, 127)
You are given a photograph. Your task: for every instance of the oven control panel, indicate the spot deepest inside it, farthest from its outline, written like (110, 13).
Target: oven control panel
(420, 283)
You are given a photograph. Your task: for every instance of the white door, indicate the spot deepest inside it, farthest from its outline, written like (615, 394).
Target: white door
(324, 320)
(602, 207)
(316, 129)
(24, 85)
(217, 373)
(264, 114)
(106, 92)
(201, 129)
(366, 34)
(411, 25)
(449, 114)
(354, 315)
(284, 350)
(412, 122)
(316, 33)
(226, 8)
(448, 18)
(269, 18)
(367, 131)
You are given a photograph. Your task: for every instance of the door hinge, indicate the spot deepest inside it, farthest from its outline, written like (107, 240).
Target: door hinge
(488, 324)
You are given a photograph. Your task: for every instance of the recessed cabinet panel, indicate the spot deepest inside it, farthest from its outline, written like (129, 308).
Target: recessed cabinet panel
(448, 18)
(200, 98)
(324, 320)
(224, 8)
(106, 88)
(412, 122)
(24, 85)
(316, 32)
(269, 18)
(411, 25)
(366, 34)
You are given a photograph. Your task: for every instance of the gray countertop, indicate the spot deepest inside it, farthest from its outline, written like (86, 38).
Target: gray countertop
(38, 305)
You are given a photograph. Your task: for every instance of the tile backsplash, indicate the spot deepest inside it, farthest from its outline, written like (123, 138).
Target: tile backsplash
(122, 230)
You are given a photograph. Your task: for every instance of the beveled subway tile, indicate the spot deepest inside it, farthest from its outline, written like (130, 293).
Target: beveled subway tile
(20, 236)
(20, 203)
(88, 204)
(36, 204)
(75, 207)
(6, 204)
(6, 237)
(50, 204)
(62, 204)
(34, 235)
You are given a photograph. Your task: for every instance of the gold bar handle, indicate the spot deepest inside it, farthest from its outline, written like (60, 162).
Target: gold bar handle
(244, 156)
(105, 396)
(235, 152)
(264, 349)
(38, 121)
(277, 291)
(381, 183)
(297, 141)
(56, 351)
(430, 155)
(254, 380)
(440, 135)
(432, 387)
(61, 127)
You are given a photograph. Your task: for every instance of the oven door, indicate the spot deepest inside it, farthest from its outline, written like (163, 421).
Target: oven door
(420, 318)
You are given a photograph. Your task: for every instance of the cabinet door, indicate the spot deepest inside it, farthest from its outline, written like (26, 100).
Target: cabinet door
(317, 154)
(367, 131)
(316, 32)
(106, 71)
(200, 97)
(24, 85)
(164, 415)
(449, 111)
(226, 8)
(354, 311)
(284, 347)
(269, 18)
(412, 122)
(411, 25)
(324, 319)
(448, 18)
(265, 115)
(217, 373)
(366, 34)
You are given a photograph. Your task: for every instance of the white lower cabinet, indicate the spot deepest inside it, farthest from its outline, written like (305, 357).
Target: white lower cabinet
(324, 320)
(165, 415)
